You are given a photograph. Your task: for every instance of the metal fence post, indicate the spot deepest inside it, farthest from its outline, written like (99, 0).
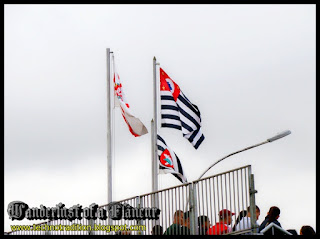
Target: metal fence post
(193, 209)
(91, 223)
(138, 203)
(48, 231)
(252, 193)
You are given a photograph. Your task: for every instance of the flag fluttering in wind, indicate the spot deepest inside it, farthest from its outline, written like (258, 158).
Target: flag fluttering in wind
(136, 127)
(178, 112)
(169, 161)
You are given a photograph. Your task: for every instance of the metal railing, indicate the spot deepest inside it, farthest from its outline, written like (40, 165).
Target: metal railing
(274, 229)
(232, 190)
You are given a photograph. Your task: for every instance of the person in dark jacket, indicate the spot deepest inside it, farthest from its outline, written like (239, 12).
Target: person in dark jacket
(185, 229)
(272, 216)
(175, 228)
(157, 230)
(307, 231)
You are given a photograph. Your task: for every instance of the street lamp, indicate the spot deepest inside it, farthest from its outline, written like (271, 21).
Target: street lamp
(278, 136)
(274, 138)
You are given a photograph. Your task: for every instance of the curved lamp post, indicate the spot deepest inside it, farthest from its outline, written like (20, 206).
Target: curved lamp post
(278, 136)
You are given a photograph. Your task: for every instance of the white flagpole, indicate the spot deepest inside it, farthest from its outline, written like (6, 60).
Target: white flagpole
(154, 132)
(109, 132)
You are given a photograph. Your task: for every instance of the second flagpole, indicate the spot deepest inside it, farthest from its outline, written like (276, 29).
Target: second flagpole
(154, 132)
(109, 130)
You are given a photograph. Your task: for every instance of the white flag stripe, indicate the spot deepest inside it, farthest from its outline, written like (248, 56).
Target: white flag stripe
(189, 111)
(171, 121)
(189, 123)
(171, 112)
(168, 93)
(187, 103)
(191, 115)
(196, 138)
(169, 102)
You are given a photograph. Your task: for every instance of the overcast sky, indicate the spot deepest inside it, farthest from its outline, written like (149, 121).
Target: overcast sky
(249, 68)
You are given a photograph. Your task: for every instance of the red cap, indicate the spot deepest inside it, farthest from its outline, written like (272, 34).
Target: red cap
(225, 212)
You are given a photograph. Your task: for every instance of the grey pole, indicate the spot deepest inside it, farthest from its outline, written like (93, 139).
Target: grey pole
(154, 124)
(109, 133)
(154, 133)
(193, 217)
(154, 157)
(252, 193)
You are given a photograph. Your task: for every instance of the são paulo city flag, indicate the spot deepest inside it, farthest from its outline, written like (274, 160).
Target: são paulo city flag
(178, 112)
(136, 127)
(169, 161)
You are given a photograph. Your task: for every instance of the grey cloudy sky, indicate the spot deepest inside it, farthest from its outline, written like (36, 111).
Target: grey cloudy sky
(249, 68)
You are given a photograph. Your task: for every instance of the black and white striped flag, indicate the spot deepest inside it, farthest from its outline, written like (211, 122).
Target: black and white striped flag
(169, 161)
(178, 112)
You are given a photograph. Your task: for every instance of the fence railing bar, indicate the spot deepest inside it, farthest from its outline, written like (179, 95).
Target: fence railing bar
(216, 175)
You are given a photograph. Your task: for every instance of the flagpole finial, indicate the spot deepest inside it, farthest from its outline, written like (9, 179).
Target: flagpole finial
(152, 121)
(154, 58)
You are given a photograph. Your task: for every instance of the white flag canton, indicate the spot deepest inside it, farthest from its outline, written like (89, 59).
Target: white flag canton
(169, 161)
(136, 127)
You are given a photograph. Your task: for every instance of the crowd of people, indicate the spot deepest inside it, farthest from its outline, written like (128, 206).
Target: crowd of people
(181, 224)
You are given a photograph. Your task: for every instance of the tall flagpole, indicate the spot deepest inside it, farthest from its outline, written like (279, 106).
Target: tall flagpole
(154, 132)
(109, 132)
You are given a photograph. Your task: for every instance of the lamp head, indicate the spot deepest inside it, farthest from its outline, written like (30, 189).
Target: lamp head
(279, 136)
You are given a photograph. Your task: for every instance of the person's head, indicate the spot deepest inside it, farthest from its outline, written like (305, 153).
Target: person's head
(226, 216)
(274, 213)
(242, 214)
(203, 221)
(307, 231)
(157, 230)
(186, 219)
(178, 217)
(257, 212)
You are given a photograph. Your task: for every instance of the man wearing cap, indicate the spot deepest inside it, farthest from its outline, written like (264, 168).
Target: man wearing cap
(223, 226)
